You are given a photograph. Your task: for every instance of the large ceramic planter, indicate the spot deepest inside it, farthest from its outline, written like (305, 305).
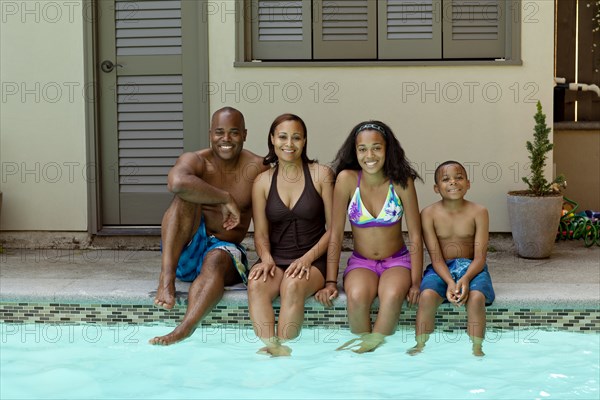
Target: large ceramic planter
(534, 223)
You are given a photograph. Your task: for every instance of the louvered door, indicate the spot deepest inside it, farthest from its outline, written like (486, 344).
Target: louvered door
(345, 29)
(144, 123)
(474, 29)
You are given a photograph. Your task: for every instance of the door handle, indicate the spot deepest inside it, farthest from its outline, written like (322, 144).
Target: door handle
(108, 66)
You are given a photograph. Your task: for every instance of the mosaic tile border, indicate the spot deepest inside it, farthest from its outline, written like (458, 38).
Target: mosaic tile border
(447, 319)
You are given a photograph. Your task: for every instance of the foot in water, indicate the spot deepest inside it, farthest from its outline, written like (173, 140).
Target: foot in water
(165, 293)
(421, 340)
(365, 343)
(177, 335)
(274, 348)
(477, 346)
(413, 351)
(478, 351)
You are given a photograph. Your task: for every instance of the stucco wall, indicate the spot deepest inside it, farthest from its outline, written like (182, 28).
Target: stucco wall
(479, 115)
(42, 135)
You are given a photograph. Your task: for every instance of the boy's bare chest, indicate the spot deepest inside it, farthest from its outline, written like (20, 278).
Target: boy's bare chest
(454, 227)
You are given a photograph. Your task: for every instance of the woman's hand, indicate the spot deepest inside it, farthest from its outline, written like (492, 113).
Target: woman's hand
(327, 294)
(262, 269)
(299, 268)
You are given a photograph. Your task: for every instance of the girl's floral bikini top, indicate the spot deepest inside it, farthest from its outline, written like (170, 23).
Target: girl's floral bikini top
(390, 214)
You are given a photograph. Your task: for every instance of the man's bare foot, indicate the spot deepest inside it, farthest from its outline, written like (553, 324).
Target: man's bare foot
(177, 335)
(165, 294)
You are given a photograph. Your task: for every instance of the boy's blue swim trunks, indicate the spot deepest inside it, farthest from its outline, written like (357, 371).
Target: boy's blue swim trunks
(458, 267)
(192, 255)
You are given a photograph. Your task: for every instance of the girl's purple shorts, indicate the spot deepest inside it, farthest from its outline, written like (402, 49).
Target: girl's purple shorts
(399, 259)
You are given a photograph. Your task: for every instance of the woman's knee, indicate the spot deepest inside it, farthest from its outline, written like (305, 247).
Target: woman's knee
(255, 286)
(294, 289)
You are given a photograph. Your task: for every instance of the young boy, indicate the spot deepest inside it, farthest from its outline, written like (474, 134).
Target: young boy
(455, 231)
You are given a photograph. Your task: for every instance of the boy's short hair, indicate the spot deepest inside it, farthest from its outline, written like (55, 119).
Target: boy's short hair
(445, 163)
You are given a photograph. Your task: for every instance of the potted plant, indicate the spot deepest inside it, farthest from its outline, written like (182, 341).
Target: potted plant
(534, 214)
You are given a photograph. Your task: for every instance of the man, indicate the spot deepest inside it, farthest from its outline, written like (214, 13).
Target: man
(207, 220)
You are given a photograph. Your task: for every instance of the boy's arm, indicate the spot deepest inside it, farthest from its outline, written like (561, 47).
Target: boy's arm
(480, 243)
(433, 246)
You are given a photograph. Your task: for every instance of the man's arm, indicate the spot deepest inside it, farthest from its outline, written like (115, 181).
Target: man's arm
(185, 181)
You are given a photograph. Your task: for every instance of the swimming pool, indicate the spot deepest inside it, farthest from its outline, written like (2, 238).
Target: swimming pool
(95, 361)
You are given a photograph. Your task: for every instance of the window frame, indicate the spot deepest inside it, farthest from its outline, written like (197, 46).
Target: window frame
(243, 44)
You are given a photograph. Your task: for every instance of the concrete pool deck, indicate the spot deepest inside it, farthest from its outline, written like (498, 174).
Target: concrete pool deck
(570, 278)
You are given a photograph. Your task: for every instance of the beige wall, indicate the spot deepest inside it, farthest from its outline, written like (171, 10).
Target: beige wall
(42, 142)
(479, 115)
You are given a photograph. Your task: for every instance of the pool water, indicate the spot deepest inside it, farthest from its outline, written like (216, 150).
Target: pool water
(96, 362)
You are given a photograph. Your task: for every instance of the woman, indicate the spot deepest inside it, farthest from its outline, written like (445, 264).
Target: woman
(291, 205)
(375, 187)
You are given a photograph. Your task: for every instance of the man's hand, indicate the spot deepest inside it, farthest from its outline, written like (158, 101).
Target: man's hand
(231, 214)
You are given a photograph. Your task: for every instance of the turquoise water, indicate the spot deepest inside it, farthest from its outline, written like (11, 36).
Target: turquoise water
(96, 362)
